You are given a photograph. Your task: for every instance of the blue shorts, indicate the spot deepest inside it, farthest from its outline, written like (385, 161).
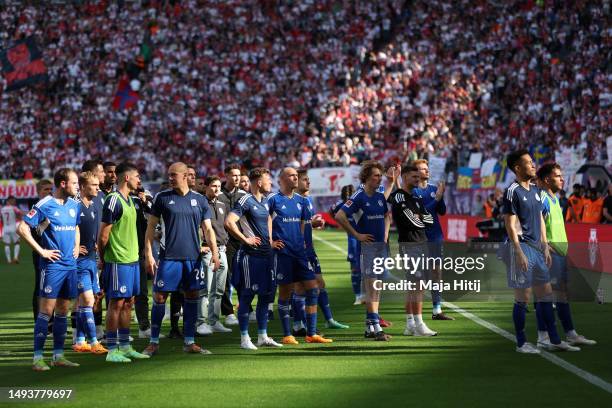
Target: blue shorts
(313, 260)
(87, 275)
(372, 258)
(253, 274)
(289, 269)
(57, 281)
(174, 275)
(537, 272)
(558, 271)
(121, 280)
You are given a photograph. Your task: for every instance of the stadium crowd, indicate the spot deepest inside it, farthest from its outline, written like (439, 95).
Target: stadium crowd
(311, 83)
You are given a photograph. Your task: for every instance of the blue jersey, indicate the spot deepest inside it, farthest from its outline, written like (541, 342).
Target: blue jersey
(253, 222)
(308, 225)
(368, 213)
(58, 224)
(287, 216)
(527, 206)
(89, 226)
(435, 208)
(99, 201)
(181, 218)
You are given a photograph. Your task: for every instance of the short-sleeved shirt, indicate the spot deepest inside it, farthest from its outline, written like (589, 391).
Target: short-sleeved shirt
(57, 223)
(428, 195)
(253, 222)
(218, 212)
(410, 216)
(182, 217)
(288, 213)
(368, 213)
(527, 206)
(89, 226)
(308, 225)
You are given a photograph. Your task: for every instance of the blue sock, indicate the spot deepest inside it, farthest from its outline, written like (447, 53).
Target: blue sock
(548, 314)
(298, 305)
(243, 312)
(356, 282)
(41, 327)
(324, 304)
(565, 315)
(283, 314)
(111, 340)
(190, 317)
(60, 325)
(312, 298)
(158, 310)
(436, 300)
(518, 316)
(124, 338)
(261, 311)
(89, 323)
(80, 328)
(541, 323)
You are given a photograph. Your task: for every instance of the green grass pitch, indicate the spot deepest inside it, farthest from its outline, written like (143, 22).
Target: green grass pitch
(466, 365)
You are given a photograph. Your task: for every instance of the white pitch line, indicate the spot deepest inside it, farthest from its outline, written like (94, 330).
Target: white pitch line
(585, 375)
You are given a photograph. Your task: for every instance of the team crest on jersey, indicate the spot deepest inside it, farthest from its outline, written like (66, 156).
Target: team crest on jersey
(80, 285)
(194, 203)
(160, 283)
(267, 207)
(72, 212)
(255, 287)
(299, 206)
(123, 289)
(32, 213)
(280, 276)
(432, 195)
(48, 289)
(348, 203)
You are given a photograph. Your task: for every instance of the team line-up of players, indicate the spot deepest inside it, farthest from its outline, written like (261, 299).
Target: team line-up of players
(275, 230)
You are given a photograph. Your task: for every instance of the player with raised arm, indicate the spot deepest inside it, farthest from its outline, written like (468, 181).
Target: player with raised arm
(87, 267)
(433, 198)
(57, 219)
(315, 221)
(551, 181)
(528, 256)
(289, 214)
(371, 217)
(118, 247)
(411, 219)
(183, 212)
(253, 272)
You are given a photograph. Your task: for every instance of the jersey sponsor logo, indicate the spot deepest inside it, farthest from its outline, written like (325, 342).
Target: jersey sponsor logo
(32, 213)
(48, 289)
(171, 202)
(348, 203)
(194, 202)
(291, 219)
(375, 217)
(64, 228)
(123, 289)
(160, 283)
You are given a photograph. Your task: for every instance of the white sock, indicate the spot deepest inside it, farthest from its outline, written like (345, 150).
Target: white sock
(418, 319)
(17, 248)
(57, 356)
(271, 306)
(409, 320)
(572, 333)
(262, 336)
(377, 328)
(542, 335)
(36, 358)
(245, 337)
(7, 253)
(437, 310)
